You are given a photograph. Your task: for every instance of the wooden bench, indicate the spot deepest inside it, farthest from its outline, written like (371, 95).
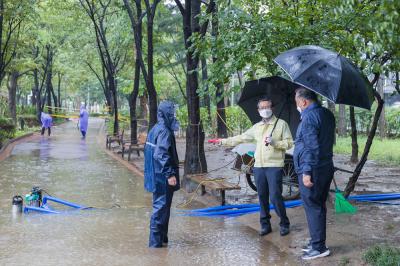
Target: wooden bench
(114, 138)
(218, 185)
(135, 147)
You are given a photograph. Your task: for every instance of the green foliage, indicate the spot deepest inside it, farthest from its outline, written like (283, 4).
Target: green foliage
(7, 129)
(236, 120)
(30, 120)
(364, 117)
(26, 110)
(123, 125)
(253, 33)
(3, 106)
(382, 150)
(382, 255)
(392, 116)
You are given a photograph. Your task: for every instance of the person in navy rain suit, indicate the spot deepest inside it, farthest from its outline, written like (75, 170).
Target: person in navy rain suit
(161, 174)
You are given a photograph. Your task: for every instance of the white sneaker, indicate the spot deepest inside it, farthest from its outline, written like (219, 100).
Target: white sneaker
(313, 254)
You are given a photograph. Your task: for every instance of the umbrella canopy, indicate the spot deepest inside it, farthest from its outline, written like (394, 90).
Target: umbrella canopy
(328, 74)
(280, 91)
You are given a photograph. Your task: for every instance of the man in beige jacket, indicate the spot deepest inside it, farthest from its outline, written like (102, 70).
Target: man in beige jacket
(271, 145)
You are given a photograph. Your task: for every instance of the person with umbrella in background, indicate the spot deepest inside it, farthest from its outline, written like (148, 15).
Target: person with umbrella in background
(273, 138)
(83, 120)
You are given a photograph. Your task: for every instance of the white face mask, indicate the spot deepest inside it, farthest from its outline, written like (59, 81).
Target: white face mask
(299, 109)
(265, 113)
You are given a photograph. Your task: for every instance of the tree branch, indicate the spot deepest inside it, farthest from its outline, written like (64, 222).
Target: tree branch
(180, 6)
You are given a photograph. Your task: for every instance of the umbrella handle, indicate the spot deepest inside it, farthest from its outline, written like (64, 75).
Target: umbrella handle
(279, 115)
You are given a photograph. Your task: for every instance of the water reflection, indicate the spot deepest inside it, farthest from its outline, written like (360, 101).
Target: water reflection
(79, 171)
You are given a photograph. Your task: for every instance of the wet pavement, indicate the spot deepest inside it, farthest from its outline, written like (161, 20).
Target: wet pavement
(80, 171)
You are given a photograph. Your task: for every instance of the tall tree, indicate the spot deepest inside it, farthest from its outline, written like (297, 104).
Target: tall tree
(195, 161)
(136, 24)
(219, 94)
(148, 73)
(342, 126)
(101, 13)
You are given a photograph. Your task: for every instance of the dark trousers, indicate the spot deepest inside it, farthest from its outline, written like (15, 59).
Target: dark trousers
(314, 200)
(160, 218)
(269, 185)
(44, 129)
(83, 133)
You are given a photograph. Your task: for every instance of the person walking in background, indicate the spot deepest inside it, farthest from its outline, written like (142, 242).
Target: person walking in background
(313, 162)
(46, 120)
(83, 120)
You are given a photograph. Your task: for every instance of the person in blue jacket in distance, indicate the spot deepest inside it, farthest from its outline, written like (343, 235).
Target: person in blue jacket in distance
(83, 120)
(161, 173)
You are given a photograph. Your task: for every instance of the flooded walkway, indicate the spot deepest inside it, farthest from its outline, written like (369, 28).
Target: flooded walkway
(80, 171)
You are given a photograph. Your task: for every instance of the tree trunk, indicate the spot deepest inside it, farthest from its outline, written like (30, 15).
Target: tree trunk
(109, 99)
(33, 97)
(331, 107)
(382, 122)
(143, 114)
(38, 97)
(134, 94)
(195, 160)
(113, 89)
(12, 95)
(342, 125)
(354, 143)
(48, 93)
(147, 74)
(59, 89)
(353, 179)
(132, 113)
(151, 90)
(49, 76)
(206, 97)
(221, 114)
(219, 95)
(55, 100)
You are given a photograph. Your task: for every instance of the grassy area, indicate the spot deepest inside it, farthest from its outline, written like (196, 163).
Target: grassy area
(381, 255)
(385, 151)
(27, 130)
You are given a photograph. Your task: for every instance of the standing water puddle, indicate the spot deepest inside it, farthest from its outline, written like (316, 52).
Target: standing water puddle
(80, 171)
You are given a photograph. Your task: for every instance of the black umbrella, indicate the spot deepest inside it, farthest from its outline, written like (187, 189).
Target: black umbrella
(328, 74)
(281, 93)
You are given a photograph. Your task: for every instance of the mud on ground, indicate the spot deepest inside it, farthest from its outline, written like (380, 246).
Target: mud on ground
(348, 236)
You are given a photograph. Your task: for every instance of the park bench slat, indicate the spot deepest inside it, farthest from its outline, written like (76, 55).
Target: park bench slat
(220, 186)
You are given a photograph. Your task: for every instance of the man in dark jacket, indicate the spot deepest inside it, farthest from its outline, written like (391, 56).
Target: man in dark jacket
(161, 174)
(314, 165)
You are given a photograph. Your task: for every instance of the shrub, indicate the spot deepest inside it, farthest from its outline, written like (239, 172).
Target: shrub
(7, 130)
(30, 120)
